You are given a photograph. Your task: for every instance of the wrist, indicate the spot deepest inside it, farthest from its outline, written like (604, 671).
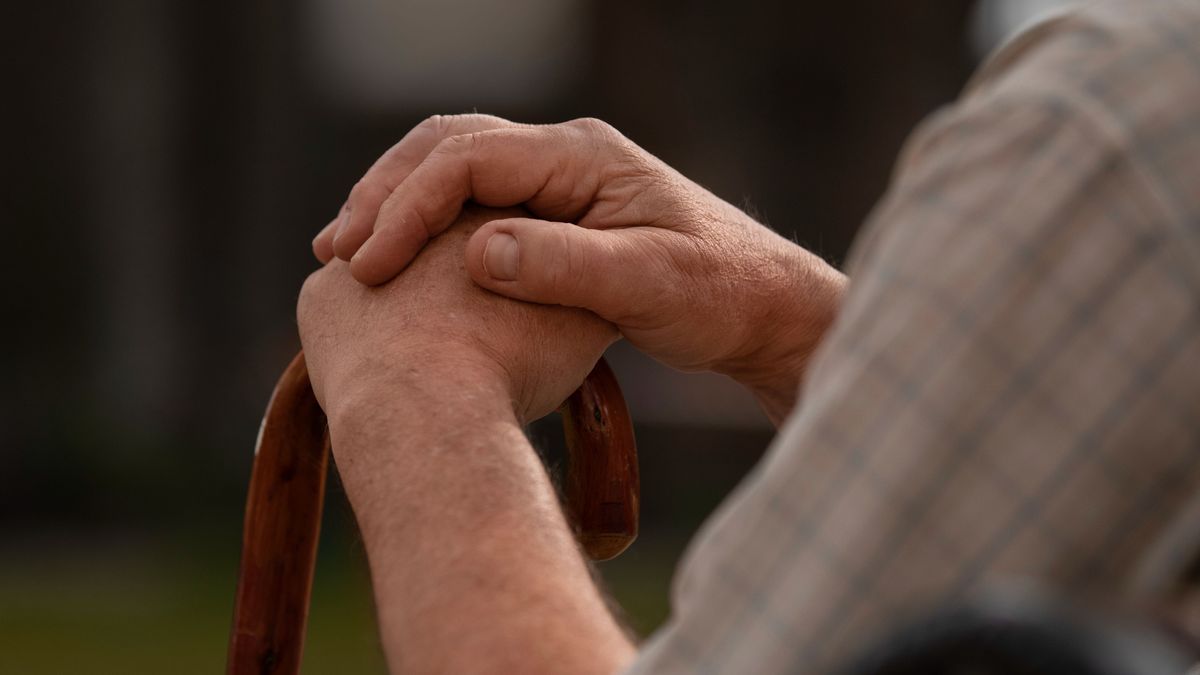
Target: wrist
(799, 301)
(388, 415)
(461, 525)
(415, 380)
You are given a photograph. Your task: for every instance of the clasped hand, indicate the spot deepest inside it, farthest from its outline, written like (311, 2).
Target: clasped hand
(686, 277)
(432, 327)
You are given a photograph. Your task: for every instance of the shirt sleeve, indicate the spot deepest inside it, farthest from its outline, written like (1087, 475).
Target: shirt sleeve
(1012, 388)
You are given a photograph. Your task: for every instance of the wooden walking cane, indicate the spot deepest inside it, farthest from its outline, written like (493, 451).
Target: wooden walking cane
(287, 488)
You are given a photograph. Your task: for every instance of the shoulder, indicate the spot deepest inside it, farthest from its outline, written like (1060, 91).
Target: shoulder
(1121, 72)
(1126, 71)
(1107, 84)
(1122, 62)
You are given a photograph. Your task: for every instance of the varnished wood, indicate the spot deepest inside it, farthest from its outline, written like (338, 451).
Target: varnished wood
(279, 537)
(602, 485)
(287, 486)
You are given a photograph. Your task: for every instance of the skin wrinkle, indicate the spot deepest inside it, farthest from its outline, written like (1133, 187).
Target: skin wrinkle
(430, 391)
(700, 282)
(434, 285)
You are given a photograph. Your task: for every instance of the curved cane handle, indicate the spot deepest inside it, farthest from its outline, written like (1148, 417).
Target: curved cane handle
(602, 486)
(287, 489)
(279, 536)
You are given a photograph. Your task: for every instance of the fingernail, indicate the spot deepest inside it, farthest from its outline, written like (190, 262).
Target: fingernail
(500, 257)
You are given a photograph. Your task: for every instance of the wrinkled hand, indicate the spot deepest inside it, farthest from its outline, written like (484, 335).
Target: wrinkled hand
(687, 278)
(431, 325)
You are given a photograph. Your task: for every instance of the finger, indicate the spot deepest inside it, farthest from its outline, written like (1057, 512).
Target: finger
(610, 272)
(555, 170)
(322, 244)
(394, 166)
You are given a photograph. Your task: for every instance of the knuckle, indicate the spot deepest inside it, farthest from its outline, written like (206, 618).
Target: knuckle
(458, 143)
(435, 124)
(475, 121)
(446, 126)
(594, 127)
(603, 141)
(569, 270)
(422, 227)
(369, 192)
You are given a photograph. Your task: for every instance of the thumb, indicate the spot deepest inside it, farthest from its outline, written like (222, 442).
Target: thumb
(557, 263)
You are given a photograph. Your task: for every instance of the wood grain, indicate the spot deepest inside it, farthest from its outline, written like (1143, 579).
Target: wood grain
(279, 537)
(602, 484)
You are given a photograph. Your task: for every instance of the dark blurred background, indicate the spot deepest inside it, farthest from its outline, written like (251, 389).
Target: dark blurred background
(167, 164)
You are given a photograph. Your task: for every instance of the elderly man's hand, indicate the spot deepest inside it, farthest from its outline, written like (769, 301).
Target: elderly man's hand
(688, 278)
(425, 381)
(431, 328)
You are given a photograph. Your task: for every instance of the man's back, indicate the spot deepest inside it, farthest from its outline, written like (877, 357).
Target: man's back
(1012, 388)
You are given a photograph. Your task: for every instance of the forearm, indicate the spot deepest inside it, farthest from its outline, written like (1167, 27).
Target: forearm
(474, 567)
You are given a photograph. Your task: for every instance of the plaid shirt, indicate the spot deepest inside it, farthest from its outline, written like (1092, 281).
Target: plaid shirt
(1012, 389)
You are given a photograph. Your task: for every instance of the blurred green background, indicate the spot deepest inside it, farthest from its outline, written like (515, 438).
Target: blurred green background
(158, 598)
(167, 165)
